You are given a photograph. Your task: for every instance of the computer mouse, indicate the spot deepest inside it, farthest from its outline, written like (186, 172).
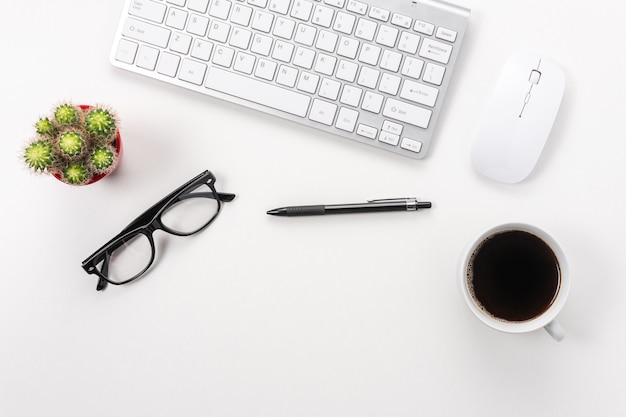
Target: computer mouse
(519, 118)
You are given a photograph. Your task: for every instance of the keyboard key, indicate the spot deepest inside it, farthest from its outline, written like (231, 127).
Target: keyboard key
(389, 84)
(437, 51)
(145, 32)
(168, 64)
(348, 47)
(365, 29)
(368, 77)
(372, 102)
(344, 23)
(223, 56)
(241, 15)
(367, 131)
(412, 67)
(284, 28)
(323, 16)
(180, 43)
(176, 19)
(408, 42)
(391, 60)
(335, 3)
(323, 112)
(258, 3)
(387, 36)
(201, 49)
(379, 14)
(370, 54)
(283, 51)
(407, 113)
(280, 6)
(329, 89)
(262, 21)
(392, 127)
(351, 95)
(219, 31)
(240, 38)
(308, 82)
(411, 145)
(261, 44)
(357, 7)
(198, 25)
(198, 5)
(220, 9)
(401, 20)
(305, 34)
(389, 138)
(325, 64)
(287, 76)
(192, 71)
(148, 10)
(301, 9)
(304, 58)
(424, 27)
(347, 71)
(446, 34)
(126, 51)
(327, 41)
(147, 57)
(244, 63)
(346, 119)
(265, 69)
(257, 92)
(433, 73)
(419, 93)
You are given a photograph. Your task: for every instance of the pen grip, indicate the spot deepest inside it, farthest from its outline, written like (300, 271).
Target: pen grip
(306, 211)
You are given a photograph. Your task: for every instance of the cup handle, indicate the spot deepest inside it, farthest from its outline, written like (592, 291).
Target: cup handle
(555, 330)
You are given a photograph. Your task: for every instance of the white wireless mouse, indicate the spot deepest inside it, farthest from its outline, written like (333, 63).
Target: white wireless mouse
(519, 118)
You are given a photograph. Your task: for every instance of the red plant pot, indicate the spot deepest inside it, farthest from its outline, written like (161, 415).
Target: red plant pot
(98, 177)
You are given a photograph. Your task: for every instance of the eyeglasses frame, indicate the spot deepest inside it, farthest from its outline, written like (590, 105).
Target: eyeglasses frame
(150, 221)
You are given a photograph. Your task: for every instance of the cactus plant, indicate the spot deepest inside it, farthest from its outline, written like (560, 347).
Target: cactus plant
(76, 144)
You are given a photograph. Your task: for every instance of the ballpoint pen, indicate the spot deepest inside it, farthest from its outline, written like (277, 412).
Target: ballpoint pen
(391, 204)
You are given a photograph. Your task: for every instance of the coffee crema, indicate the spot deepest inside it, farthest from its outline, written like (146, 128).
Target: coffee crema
(513, 276)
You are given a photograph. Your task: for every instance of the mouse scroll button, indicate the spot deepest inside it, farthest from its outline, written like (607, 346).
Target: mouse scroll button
(534, 76)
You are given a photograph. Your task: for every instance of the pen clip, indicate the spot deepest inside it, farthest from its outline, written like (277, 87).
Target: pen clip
(411, 202)
(393, 200)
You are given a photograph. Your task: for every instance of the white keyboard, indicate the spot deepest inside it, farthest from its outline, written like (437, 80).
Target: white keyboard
(375, 71)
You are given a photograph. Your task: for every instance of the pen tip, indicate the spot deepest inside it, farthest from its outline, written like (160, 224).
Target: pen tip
(273, 212)
(424, 204)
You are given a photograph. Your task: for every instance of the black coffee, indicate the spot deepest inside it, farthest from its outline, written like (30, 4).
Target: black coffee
(513, 275)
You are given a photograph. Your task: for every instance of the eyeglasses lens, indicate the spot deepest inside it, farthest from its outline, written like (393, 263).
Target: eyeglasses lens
(130, 259)
(193, 212)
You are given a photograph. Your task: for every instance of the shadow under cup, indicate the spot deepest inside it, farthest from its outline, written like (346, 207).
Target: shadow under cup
(515, 279)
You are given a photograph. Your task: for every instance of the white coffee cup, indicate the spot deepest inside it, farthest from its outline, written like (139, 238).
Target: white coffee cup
(496, 236)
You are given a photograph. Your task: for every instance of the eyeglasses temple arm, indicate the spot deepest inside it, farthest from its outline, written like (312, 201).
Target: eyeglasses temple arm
(102, 283)
(225, 197)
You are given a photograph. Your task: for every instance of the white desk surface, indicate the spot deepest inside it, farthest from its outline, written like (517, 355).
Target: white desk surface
(355, 315)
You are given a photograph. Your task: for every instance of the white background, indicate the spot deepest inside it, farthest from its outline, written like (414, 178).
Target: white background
(355, 315)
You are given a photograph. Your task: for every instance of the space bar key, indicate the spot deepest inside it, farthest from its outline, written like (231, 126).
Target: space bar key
(257, 91)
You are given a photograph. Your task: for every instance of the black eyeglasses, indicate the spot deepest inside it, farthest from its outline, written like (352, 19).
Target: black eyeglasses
(187, 210)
